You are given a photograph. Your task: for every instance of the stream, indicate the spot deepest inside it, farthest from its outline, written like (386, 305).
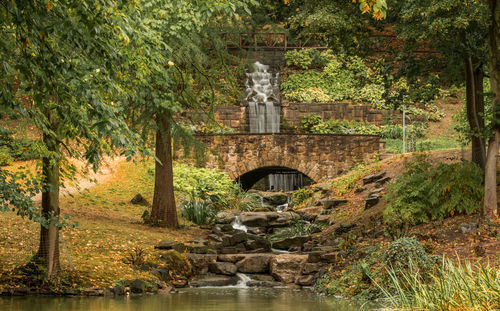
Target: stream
(200, 299)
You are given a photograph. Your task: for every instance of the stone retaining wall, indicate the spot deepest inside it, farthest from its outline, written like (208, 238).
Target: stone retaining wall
(291, 114)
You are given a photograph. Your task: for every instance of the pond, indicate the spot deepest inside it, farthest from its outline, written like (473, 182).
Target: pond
(220, 299)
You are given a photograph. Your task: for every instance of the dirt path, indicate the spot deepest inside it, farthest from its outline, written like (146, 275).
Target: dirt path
(87, 180)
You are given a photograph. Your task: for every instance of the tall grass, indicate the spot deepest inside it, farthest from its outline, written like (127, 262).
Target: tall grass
(462, 286)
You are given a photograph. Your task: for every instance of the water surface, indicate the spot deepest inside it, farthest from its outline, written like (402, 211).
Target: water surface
(203, 299)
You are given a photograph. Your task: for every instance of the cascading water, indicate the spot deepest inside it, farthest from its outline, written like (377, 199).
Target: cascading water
(262, 88)
(262, 95)
(236, 224)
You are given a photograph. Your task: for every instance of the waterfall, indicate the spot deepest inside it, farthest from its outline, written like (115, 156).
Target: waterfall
(262, 90)
(262, 95)
(236, 224)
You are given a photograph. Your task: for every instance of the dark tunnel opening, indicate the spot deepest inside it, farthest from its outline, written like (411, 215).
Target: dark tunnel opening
(277, 178)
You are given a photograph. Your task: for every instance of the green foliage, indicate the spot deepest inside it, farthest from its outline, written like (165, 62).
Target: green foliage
(198, 212)
(461, 124)
(214, 128)
(298, 227)
(209, 185)
(439, 143)
(306, 58)
(403, 251)
(455, 286)
(314, 124)
(5, 157)
(310, 95)
(426, 192)
(300, 196)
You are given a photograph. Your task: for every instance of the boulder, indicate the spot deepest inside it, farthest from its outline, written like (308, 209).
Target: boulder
(311, 268)
(138, 199)
(469, 228)
(233, 239)
(258, 242)
(372, 178)
(314, 256)
(275, 199)
(138, 286)
(286, 267)
(323, 219)
(214, 281)
(256, 230)
(286, 244)
(225, 268)
(306, 280)
(254, 263)
(333, 257)
(310, 213)
(344, 228)
(255, 219)
(372, 201)
(225, 218)
(199, 263)
(167, 244)
(230, 258)
(237, 249)
(333, 203)
(382, 181)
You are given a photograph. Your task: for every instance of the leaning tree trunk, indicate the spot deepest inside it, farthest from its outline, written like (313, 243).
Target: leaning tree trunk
(48, 250)
(490, 179)
(164, 211)
(475, 110)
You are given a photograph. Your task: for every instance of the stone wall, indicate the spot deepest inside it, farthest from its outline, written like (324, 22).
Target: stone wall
(291, 114)
(317, 156)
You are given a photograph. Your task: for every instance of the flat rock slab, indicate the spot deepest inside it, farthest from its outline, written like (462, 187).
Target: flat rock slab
(286, 267)
(254, 263)
(372, 178)
(225, 268)
(286, 244)
(214, 281)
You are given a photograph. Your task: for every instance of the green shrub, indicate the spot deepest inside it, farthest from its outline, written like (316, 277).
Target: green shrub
(306, 58)
(313, 123)
(206, 184)
(5, 156)
(406, 250)
(395, 131)
(426, 192)
(198, 212)
(300, 196)
(310, 95)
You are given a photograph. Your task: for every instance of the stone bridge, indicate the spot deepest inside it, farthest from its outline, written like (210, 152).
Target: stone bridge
(249, 157)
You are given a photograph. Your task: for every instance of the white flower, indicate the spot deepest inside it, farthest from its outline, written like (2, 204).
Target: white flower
(170, 63)
(97, 70)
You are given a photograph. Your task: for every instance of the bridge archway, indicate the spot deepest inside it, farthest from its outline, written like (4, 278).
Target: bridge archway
(250, 178)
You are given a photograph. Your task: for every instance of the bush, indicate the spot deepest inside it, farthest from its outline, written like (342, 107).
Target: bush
(300, 196)
(314, 124)
(406, 250)
(5, 156)
(198, 212)
(310, 95)
(426, 192)
(204, 184)
(306, 58)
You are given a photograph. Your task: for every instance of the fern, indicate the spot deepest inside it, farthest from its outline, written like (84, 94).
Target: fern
(427, 192)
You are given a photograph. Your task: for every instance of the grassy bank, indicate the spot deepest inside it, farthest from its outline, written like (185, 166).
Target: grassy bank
(108, 229)
(454, 286)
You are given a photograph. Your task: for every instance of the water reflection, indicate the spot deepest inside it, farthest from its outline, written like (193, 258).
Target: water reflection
(190, 299)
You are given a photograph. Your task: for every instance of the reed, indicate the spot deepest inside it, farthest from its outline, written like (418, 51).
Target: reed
(453, 286)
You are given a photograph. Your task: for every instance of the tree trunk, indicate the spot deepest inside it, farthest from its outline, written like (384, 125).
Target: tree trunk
(475, 110)
(164, 211)
(490, 179)
(48, 250)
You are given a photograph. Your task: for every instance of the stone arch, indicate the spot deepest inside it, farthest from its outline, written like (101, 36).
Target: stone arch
(249, 178)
